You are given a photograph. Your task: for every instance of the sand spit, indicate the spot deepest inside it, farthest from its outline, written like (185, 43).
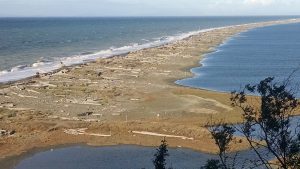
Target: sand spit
(135, 92)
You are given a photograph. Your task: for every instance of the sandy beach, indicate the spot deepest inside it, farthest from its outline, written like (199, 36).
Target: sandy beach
(128, 99)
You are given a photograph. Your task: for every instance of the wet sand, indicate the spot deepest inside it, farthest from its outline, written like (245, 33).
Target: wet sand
(128, 99)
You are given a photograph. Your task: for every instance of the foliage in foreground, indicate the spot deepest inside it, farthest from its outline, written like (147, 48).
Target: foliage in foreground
(159, 161)
(266, 126)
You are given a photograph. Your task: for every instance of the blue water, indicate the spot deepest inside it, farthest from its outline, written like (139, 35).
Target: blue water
(24, 41)
(134, 157)
(120, 157)
(258, 133)
(249, 58)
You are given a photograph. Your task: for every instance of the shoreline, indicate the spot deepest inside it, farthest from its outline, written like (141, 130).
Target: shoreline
(13, 161)
(10, 162)
(146, 93)
(115, 53)
(154, 44)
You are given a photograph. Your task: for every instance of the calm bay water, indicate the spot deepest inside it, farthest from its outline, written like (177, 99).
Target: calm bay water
(250, 57)
(294, 128)
(132, 157)
(119, 157)
(30, 45)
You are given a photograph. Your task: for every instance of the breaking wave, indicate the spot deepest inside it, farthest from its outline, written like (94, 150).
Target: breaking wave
(25, 71)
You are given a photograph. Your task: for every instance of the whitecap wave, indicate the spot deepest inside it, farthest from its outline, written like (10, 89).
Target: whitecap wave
(3, 72)
(38, 64)
(24, 71)
(145, 40)
(18, 68)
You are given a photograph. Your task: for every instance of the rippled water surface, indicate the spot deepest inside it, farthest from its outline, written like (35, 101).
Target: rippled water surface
(30, 45)
(250, 57)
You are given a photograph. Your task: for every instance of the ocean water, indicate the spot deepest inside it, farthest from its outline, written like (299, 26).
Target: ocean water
(31, 45)
(121, 157)
(250, 57)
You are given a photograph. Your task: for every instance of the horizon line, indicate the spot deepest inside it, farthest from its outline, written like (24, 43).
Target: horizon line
(146, 16)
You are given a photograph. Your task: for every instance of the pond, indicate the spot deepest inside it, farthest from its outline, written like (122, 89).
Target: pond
(118, 157)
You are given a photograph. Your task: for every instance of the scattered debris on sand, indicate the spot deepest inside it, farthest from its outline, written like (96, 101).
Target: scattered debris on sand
(82, 131)
(6, 133)
(162, 135)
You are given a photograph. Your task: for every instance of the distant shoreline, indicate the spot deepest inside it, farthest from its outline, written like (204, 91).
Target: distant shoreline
(23, 72)
(125, 96)
(29, 72)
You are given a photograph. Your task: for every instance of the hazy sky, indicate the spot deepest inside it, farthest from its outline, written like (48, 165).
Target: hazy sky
(147, 7)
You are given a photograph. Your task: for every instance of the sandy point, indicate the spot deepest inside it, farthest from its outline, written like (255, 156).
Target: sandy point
(128, 99)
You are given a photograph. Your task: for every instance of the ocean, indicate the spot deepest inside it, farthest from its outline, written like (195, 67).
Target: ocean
(250, 57)
(31, 45)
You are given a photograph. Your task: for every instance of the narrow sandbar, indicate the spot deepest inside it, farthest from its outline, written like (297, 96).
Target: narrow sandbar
(120, 100)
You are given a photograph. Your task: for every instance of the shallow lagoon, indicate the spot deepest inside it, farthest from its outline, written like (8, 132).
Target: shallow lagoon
(127, 157)
(117, 157)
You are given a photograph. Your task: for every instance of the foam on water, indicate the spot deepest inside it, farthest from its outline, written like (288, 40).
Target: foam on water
(25, 71)
(42, 66)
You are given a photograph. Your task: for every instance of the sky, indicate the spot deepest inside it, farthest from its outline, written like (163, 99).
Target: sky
(86, 8)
